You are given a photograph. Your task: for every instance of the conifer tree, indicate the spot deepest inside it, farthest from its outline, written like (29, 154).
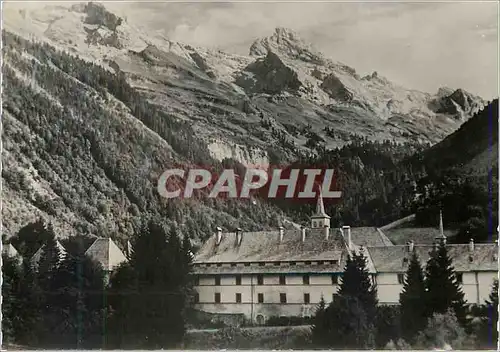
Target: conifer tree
(31, 237)
(50, 259)
(76, 304)
(346, 325)
(412, 300)
(443, 291)
(11, 279)
(492, 305)
(149, 293)
(356, 282)
(319, 330)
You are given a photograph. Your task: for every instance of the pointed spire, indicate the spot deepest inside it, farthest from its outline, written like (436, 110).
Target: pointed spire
(320, 207)
(441, 237)
(441, 228)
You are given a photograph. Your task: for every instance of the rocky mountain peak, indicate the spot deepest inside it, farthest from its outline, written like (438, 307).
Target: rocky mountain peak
(97, 14)
(286, 42)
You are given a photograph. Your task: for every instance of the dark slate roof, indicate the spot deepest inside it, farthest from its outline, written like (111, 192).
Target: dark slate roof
(419, 235)
(266, 246)
(484, 257)
(369, 237)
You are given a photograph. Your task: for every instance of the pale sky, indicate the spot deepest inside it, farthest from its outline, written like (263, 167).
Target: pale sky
(423, 45)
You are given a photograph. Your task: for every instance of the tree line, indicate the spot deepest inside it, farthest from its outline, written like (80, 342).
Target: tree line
(67, 300)
(431, 313)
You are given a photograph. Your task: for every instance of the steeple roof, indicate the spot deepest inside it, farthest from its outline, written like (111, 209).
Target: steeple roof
(441, 228)
(320, 207)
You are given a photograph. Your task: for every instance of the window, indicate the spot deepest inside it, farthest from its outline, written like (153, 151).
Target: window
(217, 281)
(307, 298)
(321, 262)
(219, 264)
(247, 264)
(260, 280)
(238, 298)
(260, 298)
(262, 264)
(233, 265)
(197, 280)
(293, 263)
(335, 279)
(307, 262)
(282, 280)
(305, 279)
(401, 279)
(405, 260)
(217, 297)
(282, 297)
(460, 278)
(196, 297)
(335, 262)
(238, 279)
(277, 264)
(209, 265)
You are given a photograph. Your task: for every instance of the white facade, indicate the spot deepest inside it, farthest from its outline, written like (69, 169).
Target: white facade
(475, 285)
(286, 272)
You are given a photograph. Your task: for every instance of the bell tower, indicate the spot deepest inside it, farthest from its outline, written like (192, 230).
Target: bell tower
(319, 219)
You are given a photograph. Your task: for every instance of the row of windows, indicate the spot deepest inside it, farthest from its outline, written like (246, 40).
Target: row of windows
(307, 262)
(260, 298)
(260, 280)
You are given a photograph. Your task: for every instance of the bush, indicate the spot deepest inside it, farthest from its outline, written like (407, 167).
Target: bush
(442, 331)
(288, 321)
(387, 324)
(400, 344)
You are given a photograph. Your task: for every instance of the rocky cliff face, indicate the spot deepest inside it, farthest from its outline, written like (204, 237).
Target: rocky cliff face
(269, 75)
(266, 100)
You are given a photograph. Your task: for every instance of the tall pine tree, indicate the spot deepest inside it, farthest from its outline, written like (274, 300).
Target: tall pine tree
(412, 299)
(11, 301)
(492, 307)
(443, 292)
(149, 294)
(319, 330)
(356, 283)
(345, 324)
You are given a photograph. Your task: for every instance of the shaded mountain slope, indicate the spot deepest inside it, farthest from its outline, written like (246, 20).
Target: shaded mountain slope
(84, 150)
(471, 148)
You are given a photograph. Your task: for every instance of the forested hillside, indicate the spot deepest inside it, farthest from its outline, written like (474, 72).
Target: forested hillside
(84, 150)
(383, 182)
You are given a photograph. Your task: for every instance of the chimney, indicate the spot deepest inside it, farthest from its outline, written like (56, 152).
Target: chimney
(348, 229)
(239, 236)
(219, 235)
(327, 231)
(303, 234)
(282, 233)
(471, 245)
(411, 246)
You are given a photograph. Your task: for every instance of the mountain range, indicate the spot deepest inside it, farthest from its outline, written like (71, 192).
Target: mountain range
(96, 109)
